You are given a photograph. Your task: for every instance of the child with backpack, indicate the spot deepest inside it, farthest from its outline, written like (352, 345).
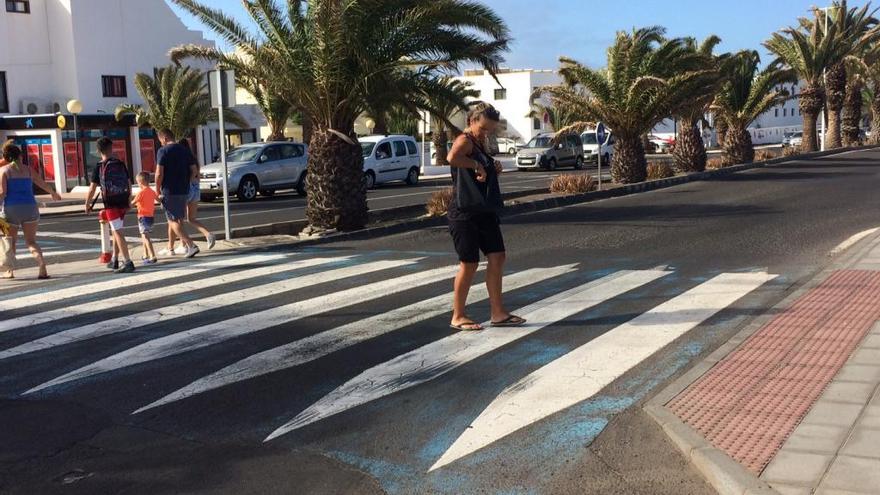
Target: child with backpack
(111, 175)
(145, 202)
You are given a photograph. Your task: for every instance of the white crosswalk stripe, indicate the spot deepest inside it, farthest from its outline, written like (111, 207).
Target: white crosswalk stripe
(433, 360)
(23, 254)
(218, 332)
(585, 371)
(171, 289)
(130, 322)
(143, 277)
(311, 348)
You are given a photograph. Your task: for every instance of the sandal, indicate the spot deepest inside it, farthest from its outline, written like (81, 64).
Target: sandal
(467, 326)
(510, 321)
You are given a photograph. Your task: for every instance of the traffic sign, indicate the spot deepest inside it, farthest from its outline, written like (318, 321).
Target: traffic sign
(601, 134)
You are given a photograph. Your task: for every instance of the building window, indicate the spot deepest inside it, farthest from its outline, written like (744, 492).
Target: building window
(500, 94)
(776, 112)
(4, 98)
(114, 86)
(536, 124)
(18, 6)
(785, 112)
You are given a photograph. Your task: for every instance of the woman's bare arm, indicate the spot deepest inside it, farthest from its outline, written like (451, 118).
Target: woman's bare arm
(458, 157)
(36, 179)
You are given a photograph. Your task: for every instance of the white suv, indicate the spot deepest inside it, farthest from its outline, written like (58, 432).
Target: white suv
(591, 148)
(390, 158)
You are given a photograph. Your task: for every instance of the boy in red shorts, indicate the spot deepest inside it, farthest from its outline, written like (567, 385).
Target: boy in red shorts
(112, 176)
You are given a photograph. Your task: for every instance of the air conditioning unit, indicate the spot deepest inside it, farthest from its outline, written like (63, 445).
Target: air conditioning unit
(56, 107)
(32, 106)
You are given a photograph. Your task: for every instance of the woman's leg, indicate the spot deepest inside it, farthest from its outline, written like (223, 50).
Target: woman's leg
(13, 237)
(463, 281)
(30, 239)
(494, 274)
(192, 212)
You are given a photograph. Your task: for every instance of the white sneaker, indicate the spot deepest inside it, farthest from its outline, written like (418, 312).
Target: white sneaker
(181, 250)
(211, 241)
(166, 252)
(194, 250)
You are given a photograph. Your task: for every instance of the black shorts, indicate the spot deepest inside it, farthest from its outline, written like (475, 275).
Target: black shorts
(480, 233)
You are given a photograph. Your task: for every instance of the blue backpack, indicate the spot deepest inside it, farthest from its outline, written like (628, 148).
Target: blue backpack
(115, 183)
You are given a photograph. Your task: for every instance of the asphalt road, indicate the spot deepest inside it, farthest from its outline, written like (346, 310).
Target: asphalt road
(295, 373)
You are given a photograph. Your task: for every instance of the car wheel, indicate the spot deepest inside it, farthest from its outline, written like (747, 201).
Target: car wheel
(412, 178)
(247, 189)
(511, 151)
(579, 163)
(551, 165)
(369, 180)
(301, 185)
(267, 193)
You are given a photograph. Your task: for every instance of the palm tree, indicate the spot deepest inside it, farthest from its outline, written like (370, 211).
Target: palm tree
(443, 107)
(855, 29)
(807, 52)
(255, 78)
(175, 98)
(857, 80)
(648, 78)
(747, 93)
(328, 54)
(689, 154)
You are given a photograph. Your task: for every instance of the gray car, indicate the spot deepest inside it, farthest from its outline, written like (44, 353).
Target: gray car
(541, 152)
(258, 168)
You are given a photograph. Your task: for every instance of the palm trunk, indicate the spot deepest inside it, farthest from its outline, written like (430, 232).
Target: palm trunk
(875, 120)
(738, 146)
(812, 98)
(381, 121)
(308, 129)
(628, 165)
(337, 198)
(852, 114)
(835, 93)
(276, 130)
(440, 138)
(720, 131)
(689, 154)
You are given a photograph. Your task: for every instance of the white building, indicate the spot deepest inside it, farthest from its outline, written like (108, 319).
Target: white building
(58, 50)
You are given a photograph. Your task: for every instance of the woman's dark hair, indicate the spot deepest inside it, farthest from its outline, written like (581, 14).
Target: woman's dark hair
(11, 151)
(483, 109)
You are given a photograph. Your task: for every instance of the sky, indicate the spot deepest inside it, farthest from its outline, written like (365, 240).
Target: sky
(544, 30)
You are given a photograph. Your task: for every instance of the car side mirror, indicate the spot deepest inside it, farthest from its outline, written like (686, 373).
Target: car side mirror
(263, 159)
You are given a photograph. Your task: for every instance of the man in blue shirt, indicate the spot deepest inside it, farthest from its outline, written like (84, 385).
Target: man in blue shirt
(175, 172)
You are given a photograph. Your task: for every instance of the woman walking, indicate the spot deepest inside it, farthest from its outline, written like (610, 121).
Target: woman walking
(20, 208)
(192, 211)
(475, 226)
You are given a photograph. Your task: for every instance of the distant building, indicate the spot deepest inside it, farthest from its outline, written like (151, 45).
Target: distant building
(54, 51)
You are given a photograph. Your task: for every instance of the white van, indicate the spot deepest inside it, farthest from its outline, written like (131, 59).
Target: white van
(390, 158)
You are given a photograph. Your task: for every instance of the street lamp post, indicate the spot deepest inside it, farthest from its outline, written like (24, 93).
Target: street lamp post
(825, 86)
(75, 107)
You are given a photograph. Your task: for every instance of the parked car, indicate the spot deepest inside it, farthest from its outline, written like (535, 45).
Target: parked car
(658, 144)
(591, 148)
(390, 158)
(789, 139)
(509, 145)
(540, 152)
(254, 168)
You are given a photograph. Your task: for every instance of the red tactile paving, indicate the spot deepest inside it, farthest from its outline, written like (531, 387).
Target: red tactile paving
(750, 402)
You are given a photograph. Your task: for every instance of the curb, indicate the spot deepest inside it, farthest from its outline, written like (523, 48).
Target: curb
(401, 225)
(723, 473)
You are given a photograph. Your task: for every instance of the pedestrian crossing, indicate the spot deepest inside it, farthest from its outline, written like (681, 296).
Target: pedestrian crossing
(268, 314)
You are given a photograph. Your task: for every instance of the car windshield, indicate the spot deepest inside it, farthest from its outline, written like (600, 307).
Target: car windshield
(248, 154)
(367, 148)
(798, 134)
(589, 137)
(539, 142)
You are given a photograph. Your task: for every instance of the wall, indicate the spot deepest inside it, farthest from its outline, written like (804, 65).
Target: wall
(26, 56)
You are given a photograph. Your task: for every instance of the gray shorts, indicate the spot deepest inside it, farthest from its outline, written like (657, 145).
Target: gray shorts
(175, 207)
(195, 195)
(18, 215)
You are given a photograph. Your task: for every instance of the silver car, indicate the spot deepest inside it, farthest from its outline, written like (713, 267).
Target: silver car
(541, 152)
(257, 168)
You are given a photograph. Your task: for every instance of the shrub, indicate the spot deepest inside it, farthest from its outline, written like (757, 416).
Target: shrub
(660, 170)
(791, 151)
(716, 163)
(572, 184)
(438, 203)
(764, 155)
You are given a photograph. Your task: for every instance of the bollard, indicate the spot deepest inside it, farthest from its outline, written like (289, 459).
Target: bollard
(106, 245)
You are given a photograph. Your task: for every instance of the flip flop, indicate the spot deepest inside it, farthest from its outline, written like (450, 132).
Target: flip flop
(43, 277)
(510, 321)
(462, 327)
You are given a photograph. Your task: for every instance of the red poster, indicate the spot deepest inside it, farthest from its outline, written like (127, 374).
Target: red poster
(71, 160)
(148, 155)
(48, 162)
(120, 150)
(33, 156)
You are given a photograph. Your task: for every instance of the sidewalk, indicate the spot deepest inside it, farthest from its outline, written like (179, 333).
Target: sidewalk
(792, 404)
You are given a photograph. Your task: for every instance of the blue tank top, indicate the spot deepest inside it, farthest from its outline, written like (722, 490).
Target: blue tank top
(19, 191)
